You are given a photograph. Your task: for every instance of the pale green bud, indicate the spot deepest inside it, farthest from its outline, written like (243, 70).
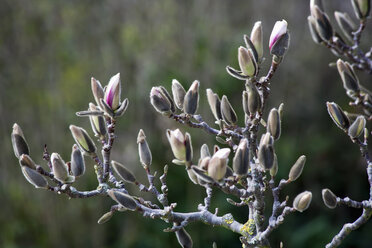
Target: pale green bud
(83, 140)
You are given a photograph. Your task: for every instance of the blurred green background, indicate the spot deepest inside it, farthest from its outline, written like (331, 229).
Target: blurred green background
(49, 50)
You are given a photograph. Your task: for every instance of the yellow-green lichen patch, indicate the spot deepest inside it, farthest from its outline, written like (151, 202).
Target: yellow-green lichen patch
(249, 227)
(228, 219)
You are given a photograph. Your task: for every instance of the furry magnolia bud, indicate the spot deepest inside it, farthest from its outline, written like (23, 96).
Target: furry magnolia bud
(356, 129)
(178, 93)
(313, 31)
(247, 62)
(218, 163)
(346, 25)
(349, 79)
(97, 91)
(113, 92)
(338, 116)
(297, 168)
(123, 172)
(266, 155)
(256, 38)
(34, 177)
(97, 122)
(273, 123)
(361, 8)
(77, 162)
(25, 160)
(177, 142)
(279, 39)
(322, 23)
(184, 239)
(19, 143)
(123, 199)
(241, 158)
(214, 104)
(329, 198)
(302, 201)
(143, 149)
(227, 111)
(254, 98)
(83, 140)
(160, 101)
(191, 101)
(60, 169)
(106, 217)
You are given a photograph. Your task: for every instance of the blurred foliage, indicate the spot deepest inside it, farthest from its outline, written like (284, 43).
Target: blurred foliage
(50, 49)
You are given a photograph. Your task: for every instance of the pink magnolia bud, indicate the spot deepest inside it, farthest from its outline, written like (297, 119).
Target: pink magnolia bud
(280, 29)
(113, 91)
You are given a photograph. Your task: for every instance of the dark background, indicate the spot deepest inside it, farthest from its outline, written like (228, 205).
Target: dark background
(49, 50)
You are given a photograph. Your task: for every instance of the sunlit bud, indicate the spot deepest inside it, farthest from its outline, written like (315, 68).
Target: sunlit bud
(59, 167)
(273, 123)
(241, 158)
(143, 149)
(34, 177)
(348, 76)
(267, 139)
(192, 176)
(106, 217)
(356, 129)
(178, 93)
(203, 163)
(247, 62)
(202, 177)
(228, 113)
(190, 105)
(184, 239)
(319, 3)
(97, 91)
(177, 142)
(266, 156)
(25, 160)
(123, 172)
(281, 110)
(77, 162)
(113, 92)
(170, 99)
(19, 143)
(338, 116)
(346, 24)
(297, 168)
(329, 199)
(188, 146)
(160, 101)
(323, 26)
(204, 151)
(274, 169)
(361, 8)
(214, 104)
(217, 164)
(97, 122)
(254, 99)
(279, 39)
(313, 31)
(302, 201)
(125, 200)
(83, 140)
(256, 38)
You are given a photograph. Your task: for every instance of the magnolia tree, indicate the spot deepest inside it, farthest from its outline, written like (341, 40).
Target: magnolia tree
(248, 178)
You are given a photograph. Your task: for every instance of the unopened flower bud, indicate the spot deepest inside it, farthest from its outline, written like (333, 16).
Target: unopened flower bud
(247, 62)
(160, 101)
(302, 201)
(313, 31)
(338, 116)
(19, 143)
(256, 38)
(279, 39)
(192, 175)
(254, 98)
(217, 164)
(323, 25)
(266, 156)
(184, 239)
(143, 149)
(97, 91)
(188, 146)
(124, 199)
(204, 151)
(348, 76)
(83, 140)
(297, 168)
(177, 142)
(113, 92)
(273, 124)
(346, 25)
(241, 158)
(227, 111)
(191, 101)
(34, 177)
(123, 172)
(106, 217)
(97, 122)
(356, 129)
(25, 160)
(274, 169)
(59, 168)
(266, 139)
(77, 162)
(329, 198)
(178, 93)
(361, 8)
(214, 104)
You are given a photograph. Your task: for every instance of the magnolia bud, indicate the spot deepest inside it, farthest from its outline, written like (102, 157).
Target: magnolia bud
(357, 128)
(217, 164)
(192, 176)
(323, 26)
(106, 217)
(241, 158)
(124, 199)
(160, 101)
(77, 162)
(313, 31)
(97, 122)
(302, 201)
(273, 124)
(204, 151)
(297, 168)
(279, 39)
(184, 238)
(266, 156)
(202, 177)
(214, 104)
(228, 113)
(59, 168)
(190, 105)
(361, 8)
(346, 24)
(97, 91)
(266, 139)
(34, 177)
(348, 76)
(254, 98)
(19, 143)
(188, 146)
(25, 160)
(177, 142)
(123, 172)
(178, 93)
(113, 91)
(338, 116)
(143, 149)
(83, 140)
(247, 62)
(274, 169)
(329, 199)
(256, 38)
